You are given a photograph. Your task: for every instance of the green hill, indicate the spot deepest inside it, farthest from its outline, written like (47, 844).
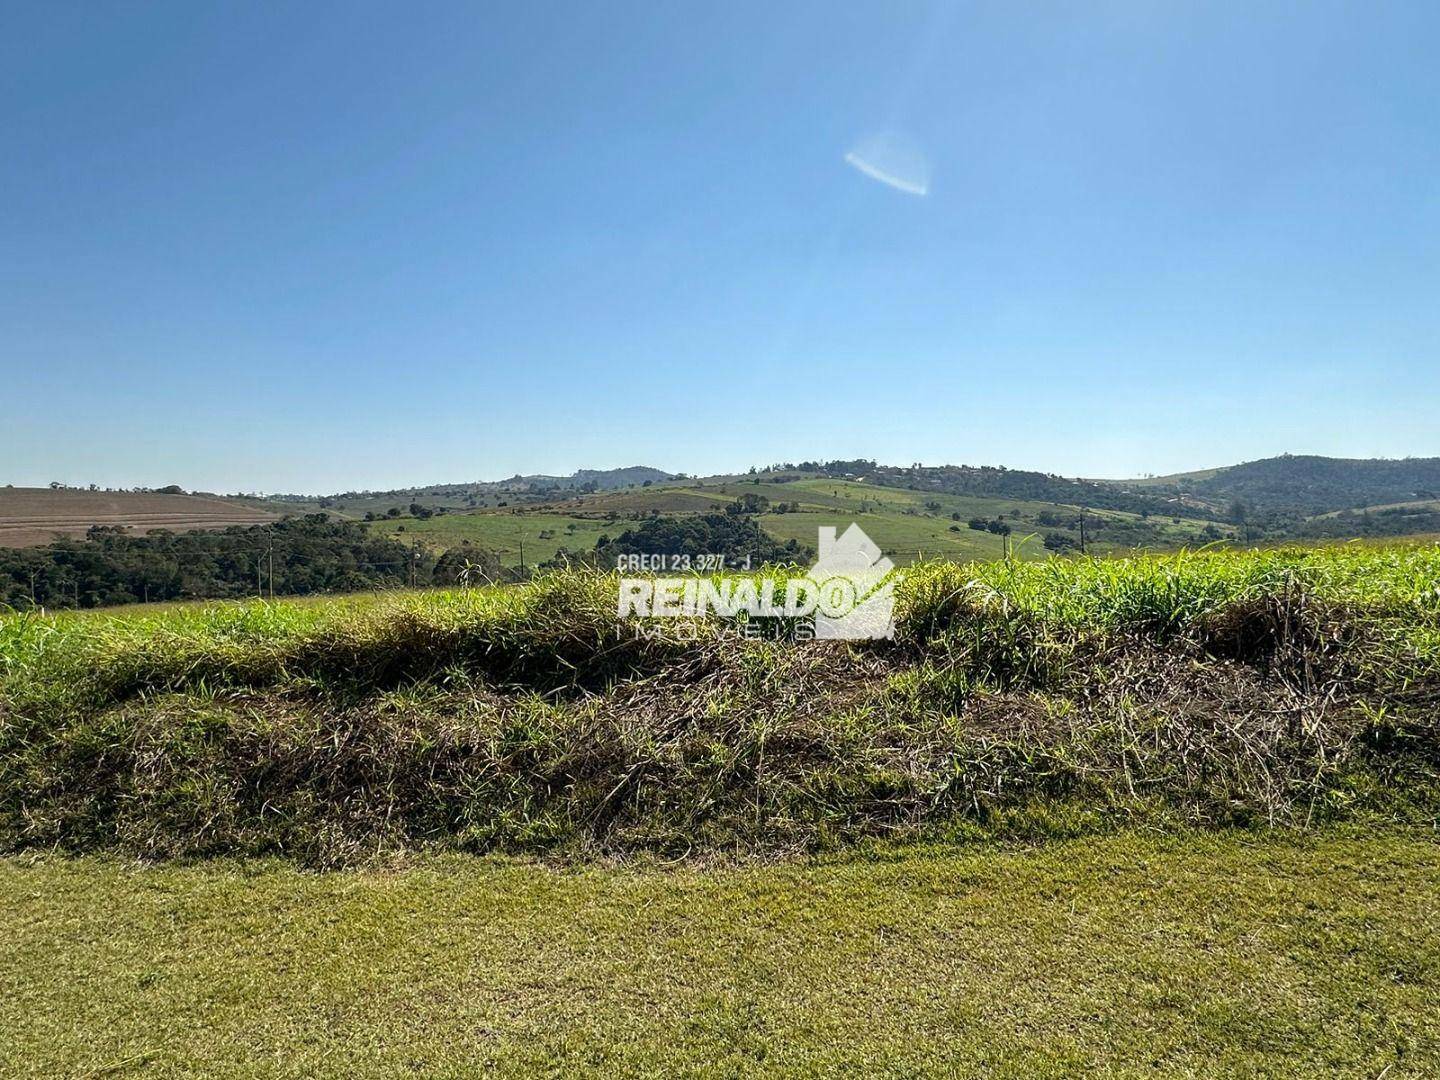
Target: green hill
(1305, 485)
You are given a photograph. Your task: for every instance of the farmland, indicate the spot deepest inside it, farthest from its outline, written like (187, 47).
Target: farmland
(30, 516)
(909, 525)
(914, 525)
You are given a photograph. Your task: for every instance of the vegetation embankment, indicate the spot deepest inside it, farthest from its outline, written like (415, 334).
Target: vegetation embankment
(1283, 687)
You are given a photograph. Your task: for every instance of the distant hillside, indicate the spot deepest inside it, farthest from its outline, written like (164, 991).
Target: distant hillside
(1034, 486)
(996, 481)
(1301, 485)
(916, 510)
(602, 479)
(31, 516)
(471, 493)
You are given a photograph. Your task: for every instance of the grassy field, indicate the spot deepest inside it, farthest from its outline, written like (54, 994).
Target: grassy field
(31, 516)
(540, 533)
(1195, 955)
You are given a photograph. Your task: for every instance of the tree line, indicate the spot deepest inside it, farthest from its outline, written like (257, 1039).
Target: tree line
(294, 556)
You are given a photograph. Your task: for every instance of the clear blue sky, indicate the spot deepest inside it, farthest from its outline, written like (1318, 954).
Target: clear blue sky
(320, 246)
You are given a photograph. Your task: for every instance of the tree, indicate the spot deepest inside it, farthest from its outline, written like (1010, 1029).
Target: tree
(111, 566)
(466, 565)
(749, 503)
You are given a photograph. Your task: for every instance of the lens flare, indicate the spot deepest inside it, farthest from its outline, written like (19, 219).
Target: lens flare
(894, 160)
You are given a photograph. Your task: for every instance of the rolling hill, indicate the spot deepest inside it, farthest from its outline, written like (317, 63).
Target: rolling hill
(906, 523)
(1304, 485)
(927, 511)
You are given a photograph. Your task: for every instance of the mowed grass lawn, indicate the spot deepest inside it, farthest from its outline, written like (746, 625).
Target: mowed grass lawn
(1200, 955)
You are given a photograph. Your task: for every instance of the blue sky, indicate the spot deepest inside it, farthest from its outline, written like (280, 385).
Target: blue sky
(323, 246)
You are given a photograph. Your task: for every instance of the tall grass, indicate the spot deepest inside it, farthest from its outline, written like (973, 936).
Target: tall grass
(1274, 687)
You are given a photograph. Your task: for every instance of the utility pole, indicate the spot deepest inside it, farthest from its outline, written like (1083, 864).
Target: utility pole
(270, 558)
(1082, 531)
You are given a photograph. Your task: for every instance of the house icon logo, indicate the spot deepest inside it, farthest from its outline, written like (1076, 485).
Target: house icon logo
(856, 587)
(848, 595)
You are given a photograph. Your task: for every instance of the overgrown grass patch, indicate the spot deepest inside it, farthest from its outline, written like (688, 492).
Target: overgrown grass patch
(1268, 688)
